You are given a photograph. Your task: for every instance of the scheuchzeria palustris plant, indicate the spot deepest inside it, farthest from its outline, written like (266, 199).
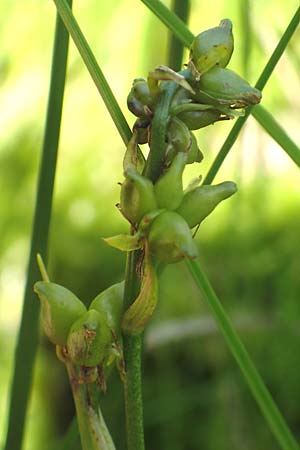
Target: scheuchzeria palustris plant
(160, 212)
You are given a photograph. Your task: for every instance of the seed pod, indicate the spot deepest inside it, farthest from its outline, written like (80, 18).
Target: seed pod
(223, 86)
(141, 91)
(109, 304)
(89, 339)
(211, 48)
(139, 98)
(200, 202)
(199, 119)
(59, 310)
(194, 153)
(170, 239)
(137, 196)
(168, 189)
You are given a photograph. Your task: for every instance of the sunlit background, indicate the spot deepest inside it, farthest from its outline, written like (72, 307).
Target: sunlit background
(195, 396)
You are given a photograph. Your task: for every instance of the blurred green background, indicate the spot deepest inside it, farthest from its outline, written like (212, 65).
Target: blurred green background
(194, 394)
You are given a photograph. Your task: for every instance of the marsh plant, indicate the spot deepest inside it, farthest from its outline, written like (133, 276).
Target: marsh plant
(163, 219)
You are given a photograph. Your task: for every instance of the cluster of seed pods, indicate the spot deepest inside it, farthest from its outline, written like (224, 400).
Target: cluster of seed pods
(162, 214)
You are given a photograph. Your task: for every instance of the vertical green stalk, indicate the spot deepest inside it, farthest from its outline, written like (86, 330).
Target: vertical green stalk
(269, 409)
(28, 333)
(132, 355)
(182, 10)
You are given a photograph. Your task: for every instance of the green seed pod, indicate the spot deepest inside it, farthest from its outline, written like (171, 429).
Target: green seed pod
(89, 339)
(194, 153)
(59, 310)
(223, 86)
(141, 91)
(200, 202)
(168, 189)
(137, 196)
(178, 135)
(139, 98)
(211, 48)
(170, 239)
(109, 304)
(199, 119)
(135, 106)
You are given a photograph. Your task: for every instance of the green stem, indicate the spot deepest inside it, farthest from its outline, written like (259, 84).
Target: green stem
(158, 132)
(28, 333)
(94, 434)
(269, 409)
(182, 10)
(132, 346)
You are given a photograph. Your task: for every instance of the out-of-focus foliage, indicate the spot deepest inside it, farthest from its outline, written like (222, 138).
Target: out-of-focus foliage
(195, 396)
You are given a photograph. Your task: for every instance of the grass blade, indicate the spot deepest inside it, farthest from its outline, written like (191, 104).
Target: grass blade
(269, 409)
(267, 121)
(93, 68)
(261, 82)
(28, 333)
(171, 20)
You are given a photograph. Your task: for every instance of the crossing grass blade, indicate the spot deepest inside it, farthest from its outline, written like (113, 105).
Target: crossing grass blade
(171, 20)
(262, 396)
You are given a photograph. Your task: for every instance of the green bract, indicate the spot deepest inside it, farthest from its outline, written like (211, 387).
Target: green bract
(89, 339)
(223, 86)
(137, 196)
(200, 202)
(59, 309)
(170, 238)
(178, 135)
(109, 304)
(211, 48)
(141, 310)
(168, 189)
(194, 153)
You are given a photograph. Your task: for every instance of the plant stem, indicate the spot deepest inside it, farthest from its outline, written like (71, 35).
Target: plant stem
(28, 333)
(158, 132)
(182, 10)
(132, 346)
(269, 409)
